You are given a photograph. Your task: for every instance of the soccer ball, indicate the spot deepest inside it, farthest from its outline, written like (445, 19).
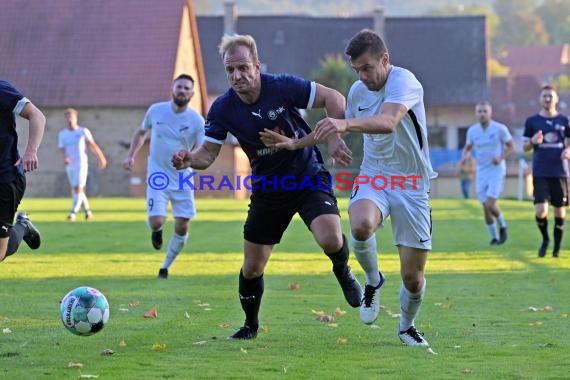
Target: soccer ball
(84, 311)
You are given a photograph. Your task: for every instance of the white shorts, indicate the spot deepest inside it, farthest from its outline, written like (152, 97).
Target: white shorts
(182, 202)
(409, 210)
(489, 184)
(77, 175)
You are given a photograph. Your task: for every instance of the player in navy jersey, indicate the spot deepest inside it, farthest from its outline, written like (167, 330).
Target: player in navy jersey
(256, 102)
(13, 168)
(547, 133)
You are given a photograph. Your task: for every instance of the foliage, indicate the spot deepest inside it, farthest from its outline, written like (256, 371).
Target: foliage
(487, 309)
(495, 69)
(334, 72)
(556, 17)
(562, 83)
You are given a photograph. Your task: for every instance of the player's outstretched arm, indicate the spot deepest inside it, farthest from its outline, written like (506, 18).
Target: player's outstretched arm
(200, 158)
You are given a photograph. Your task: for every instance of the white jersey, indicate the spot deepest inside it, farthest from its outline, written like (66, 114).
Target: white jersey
(73, 142)
(405, 151)
(488, 143)
(169, 133)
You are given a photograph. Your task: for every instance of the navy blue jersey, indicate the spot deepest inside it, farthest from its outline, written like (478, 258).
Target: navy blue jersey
(277, 109)
(546, 160)
(9, 97)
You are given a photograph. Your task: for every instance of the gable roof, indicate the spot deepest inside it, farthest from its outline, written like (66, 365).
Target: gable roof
(91, 53)
(448, 55)
(540, 61)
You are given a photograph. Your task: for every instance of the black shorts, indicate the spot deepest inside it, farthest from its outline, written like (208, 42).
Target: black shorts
(271, 212)
(11, 193)
(550, 190)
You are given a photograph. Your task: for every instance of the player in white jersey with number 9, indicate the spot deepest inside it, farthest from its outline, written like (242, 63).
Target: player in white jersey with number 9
(386, 105)
(173, 126)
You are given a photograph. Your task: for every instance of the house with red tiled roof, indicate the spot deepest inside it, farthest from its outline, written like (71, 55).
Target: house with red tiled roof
(544, 63)
(110, 60)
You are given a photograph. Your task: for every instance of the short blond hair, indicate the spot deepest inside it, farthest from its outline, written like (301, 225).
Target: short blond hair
(71, 111)
(230, 43)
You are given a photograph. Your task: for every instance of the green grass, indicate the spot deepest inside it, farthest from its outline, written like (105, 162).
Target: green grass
(475, 314)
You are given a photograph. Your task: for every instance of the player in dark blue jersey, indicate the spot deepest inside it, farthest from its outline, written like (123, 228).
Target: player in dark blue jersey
(547, 133)
(256, 102)
(13, 168)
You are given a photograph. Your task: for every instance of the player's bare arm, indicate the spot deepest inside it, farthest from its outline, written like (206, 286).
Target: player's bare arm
(466, 150)
(37, 123)
(510, 149)
(383, 123)
(537, 139)
(136, 143)
(200, 158)
(99, 154)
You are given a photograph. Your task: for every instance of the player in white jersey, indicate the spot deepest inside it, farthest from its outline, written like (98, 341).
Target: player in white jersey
(386, 106)
(73, 142)
(493, 144)
(173, 126)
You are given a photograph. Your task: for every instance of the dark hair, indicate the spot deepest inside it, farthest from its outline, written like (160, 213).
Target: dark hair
(365, 41)
(548, 87)
(184, 76)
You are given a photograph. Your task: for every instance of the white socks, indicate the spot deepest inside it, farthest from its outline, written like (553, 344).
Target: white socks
(174, 247)
(365, 252)
(409, 306)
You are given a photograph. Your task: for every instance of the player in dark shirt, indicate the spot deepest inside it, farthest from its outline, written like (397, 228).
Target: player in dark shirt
(284, 182)
(547, 133)
(13, 168)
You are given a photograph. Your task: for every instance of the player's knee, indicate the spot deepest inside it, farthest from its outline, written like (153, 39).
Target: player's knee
(330, 241)
(413, 281)
(363, 231)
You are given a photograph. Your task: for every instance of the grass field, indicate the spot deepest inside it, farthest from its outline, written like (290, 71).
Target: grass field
(490, 312)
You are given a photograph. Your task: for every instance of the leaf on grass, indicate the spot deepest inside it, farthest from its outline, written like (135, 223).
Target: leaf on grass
(338, 312)
(158, 346)
(545, 308)
(186, 315)
(122, 343)
(87, 376)
(552, 280)
(341, 340)
(545, 345)
(242, 350)
(264, 328)
(107, 352)
(294, 286)
(6, 330)
(535, 324)
(204, 304)
(200, 342)
(456, 346)
(123, 309)
(3, 318)
(74, 365)
(374, 326)
(392, 315)
(332, 325)
(152, 312)
(325, 318)
(563, 316)
(135, 304)
(224, 325)
(430, 351)
(448, 304)
(317, 312)
(466, 370)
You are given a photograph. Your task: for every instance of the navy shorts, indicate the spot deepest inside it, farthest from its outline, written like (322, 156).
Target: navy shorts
(270, 212)
(550, 190)
(11, 193)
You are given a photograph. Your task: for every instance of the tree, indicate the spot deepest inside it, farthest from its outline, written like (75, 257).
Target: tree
(519, 25)
(334, 72)
(555, 15)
